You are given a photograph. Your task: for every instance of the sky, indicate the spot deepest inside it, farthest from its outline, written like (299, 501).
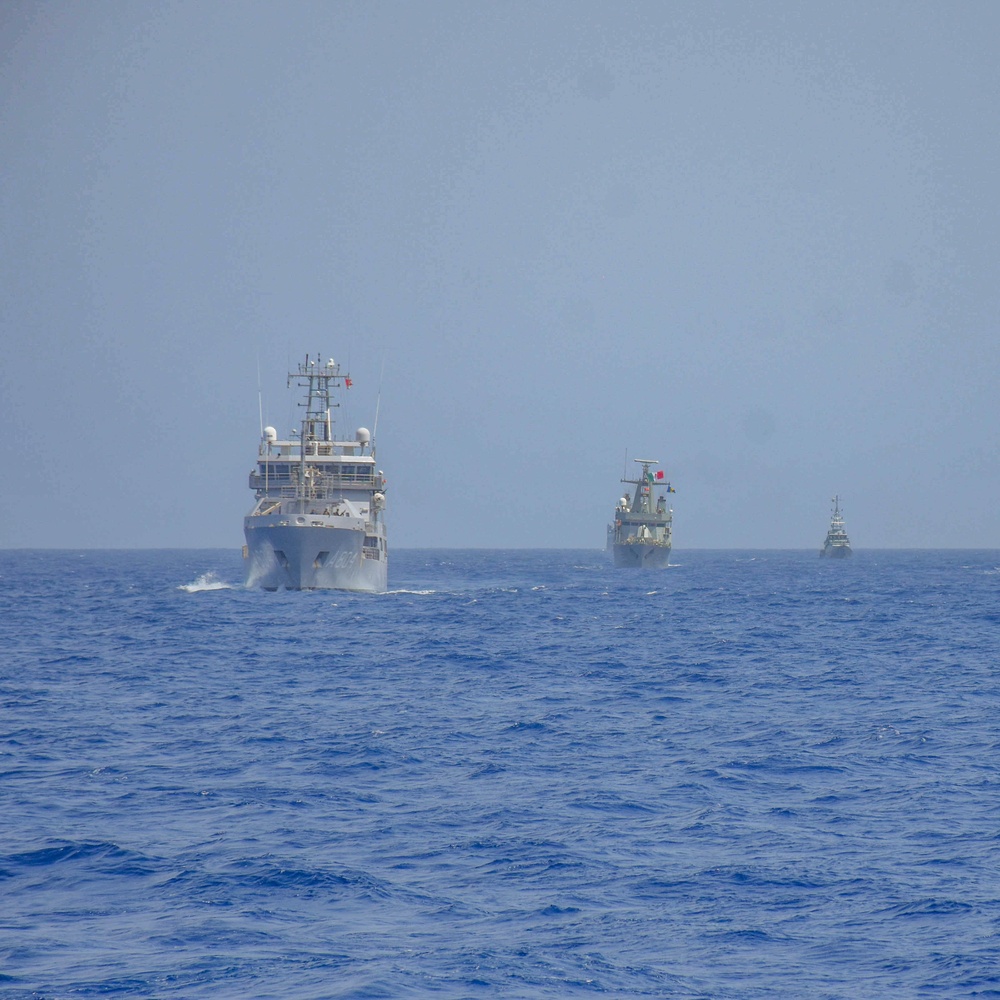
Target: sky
(756, 242)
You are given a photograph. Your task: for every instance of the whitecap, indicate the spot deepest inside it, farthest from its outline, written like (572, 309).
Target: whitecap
(207, 581)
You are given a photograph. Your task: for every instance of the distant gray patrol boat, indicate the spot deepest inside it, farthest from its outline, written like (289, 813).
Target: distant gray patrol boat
(318, 522)
(641, 533)
(837, 544)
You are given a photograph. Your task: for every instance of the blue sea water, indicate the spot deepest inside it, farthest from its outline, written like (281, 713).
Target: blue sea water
(518, 774)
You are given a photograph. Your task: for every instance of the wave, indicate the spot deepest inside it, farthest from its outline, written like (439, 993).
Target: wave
(742, 778)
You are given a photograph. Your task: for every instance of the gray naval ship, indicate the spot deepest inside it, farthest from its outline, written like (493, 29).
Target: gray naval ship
(319, 517)
(641, 533)
(836, 545)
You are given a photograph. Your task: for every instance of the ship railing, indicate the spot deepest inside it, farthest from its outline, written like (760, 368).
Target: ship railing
(645, 540)
(279, 492)
(271, 482)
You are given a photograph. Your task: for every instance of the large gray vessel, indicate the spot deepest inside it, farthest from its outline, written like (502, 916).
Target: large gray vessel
(319, 517)
(836, 544)
(641, 533)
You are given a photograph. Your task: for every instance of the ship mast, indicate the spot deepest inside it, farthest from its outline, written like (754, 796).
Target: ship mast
(317, 422)
(837, 520)
(643, 501)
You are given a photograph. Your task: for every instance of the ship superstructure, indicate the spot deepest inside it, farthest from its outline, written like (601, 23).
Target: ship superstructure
(837, 544)
(318, 521)
(641, 532)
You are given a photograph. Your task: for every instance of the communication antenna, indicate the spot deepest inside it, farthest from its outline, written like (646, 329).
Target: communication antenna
(378, 403)
(260, 398)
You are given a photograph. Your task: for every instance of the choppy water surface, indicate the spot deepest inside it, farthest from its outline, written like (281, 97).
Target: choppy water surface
(520, 774)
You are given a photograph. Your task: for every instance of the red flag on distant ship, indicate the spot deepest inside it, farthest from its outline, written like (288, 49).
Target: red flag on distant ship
(659, 474)
(347, 382)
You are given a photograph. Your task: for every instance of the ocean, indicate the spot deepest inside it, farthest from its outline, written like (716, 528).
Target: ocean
(517, 774)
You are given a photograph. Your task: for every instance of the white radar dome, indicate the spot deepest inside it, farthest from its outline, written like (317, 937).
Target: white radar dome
(270, 435)
(363, 435)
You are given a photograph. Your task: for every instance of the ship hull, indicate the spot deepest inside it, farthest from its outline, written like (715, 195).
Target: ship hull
(836, 551)
(640, 556)
(314, 557)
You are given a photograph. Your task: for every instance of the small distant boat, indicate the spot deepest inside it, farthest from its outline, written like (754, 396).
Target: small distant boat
(837, 544)
(641, 533)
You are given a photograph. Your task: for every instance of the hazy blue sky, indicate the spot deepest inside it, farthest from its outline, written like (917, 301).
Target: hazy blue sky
(755, 241)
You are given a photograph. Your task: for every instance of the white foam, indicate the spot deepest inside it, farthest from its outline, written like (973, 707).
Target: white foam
(207, 581)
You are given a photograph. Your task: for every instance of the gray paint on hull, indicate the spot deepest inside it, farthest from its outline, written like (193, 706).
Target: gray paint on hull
(294, 557)
(836, 551)
(642, 556)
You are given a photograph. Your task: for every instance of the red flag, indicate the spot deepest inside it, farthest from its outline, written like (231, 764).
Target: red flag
(347, 382)
(659, 475)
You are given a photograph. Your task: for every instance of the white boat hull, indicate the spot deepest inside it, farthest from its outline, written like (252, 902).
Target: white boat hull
(314, 557)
